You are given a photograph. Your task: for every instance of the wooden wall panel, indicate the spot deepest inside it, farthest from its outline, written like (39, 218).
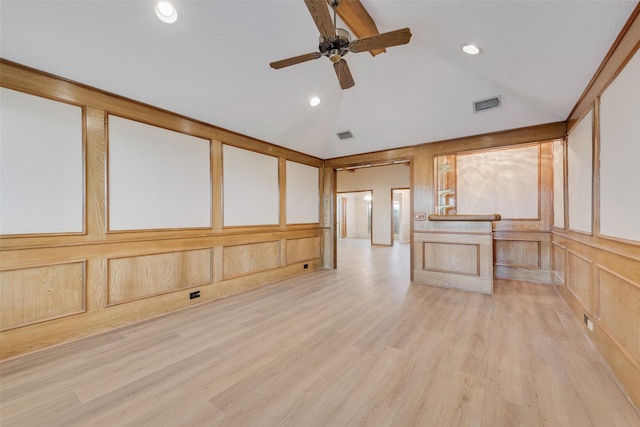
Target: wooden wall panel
(252, 258)
(38, 294)
(451, 258)
(523, 245)
(517, 253)
(614, 292)
(460, 258)
(303, 249)
(609, 272)
(523, 256)
(580, 279)
(558, 253)
(150, 269)
(616, 298)
(138, 277)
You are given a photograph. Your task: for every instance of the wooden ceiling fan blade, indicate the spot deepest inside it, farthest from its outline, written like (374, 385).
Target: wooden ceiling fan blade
(356, 17)
(392, 38)
(295, 60)
(344, 74)
(321, 16)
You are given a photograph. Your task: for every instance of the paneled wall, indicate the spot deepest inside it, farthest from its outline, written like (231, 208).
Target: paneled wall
(596, 248)
(522, 241)
(523, 245)
(115, 211)
(60, 284)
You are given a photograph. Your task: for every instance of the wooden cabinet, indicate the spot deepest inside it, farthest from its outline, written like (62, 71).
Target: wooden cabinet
(456, 251)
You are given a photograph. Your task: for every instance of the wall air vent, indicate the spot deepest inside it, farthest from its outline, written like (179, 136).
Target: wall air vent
(487, 104)
(345, 135)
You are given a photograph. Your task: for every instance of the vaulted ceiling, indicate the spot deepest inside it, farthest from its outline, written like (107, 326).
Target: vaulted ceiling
(213, 64)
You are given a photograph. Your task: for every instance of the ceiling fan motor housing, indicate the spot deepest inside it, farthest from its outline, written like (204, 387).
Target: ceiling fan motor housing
(335, 47)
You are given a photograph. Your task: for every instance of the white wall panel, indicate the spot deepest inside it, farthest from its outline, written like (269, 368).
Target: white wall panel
(303, 193)
(579, 173)
(158, 178)
(41, 165)
(619, 155)
(499, 181)
(251, 189)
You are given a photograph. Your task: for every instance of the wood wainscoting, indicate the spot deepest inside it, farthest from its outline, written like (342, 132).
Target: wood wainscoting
(62, 286)
(521, 246)
(360, 345)
(599, 276)
(603, 284)
(131, 278)
(456, 254)
(39, 293)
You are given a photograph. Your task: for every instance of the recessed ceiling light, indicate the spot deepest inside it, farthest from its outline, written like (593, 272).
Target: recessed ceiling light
(166, 12)
(314, 101)
(471, 49)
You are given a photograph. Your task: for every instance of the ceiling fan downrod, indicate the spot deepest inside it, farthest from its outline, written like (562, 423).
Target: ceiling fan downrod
(334, 5)
(335, 47)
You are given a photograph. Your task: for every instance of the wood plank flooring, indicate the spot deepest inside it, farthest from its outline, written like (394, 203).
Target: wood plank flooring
(358, 345)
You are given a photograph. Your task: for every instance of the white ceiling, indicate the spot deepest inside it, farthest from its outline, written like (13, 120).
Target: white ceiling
(212, 65)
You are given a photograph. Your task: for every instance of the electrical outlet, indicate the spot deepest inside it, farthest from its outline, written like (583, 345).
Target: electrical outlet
(588, 322)
(195, 294)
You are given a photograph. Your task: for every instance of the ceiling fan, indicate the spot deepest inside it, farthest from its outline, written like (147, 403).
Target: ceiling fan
(334, 42)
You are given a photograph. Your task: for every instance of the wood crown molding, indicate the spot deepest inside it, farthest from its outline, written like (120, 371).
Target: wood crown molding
(36, 82)
(623, 48)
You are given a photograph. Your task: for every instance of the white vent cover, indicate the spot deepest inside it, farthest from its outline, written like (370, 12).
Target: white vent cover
(487, 104)
(345, 135)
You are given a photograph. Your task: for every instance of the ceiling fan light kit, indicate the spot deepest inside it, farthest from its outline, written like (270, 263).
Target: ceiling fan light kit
(335, 43)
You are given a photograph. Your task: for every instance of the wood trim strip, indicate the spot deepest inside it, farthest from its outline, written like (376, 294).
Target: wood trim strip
(623, 48)
(616, 247)
(595, 168)
(30, 80)
(492, 217)
(282, 188)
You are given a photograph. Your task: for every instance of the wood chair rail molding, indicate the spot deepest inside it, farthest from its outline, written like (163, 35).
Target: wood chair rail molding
(491, 217)
(108, 286)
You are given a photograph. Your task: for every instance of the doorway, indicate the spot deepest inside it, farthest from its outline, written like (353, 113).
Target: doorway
(401, 215)
(354, 219)
(377, 222)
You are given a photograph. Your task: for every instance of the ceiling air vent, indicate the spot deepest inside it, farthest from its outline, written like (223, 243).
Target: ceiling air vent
(345, 135)
(487, 104)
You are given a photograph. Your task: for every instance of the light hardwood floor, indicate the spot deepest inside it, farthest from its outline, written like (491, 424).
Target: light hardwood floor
(358, 345)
